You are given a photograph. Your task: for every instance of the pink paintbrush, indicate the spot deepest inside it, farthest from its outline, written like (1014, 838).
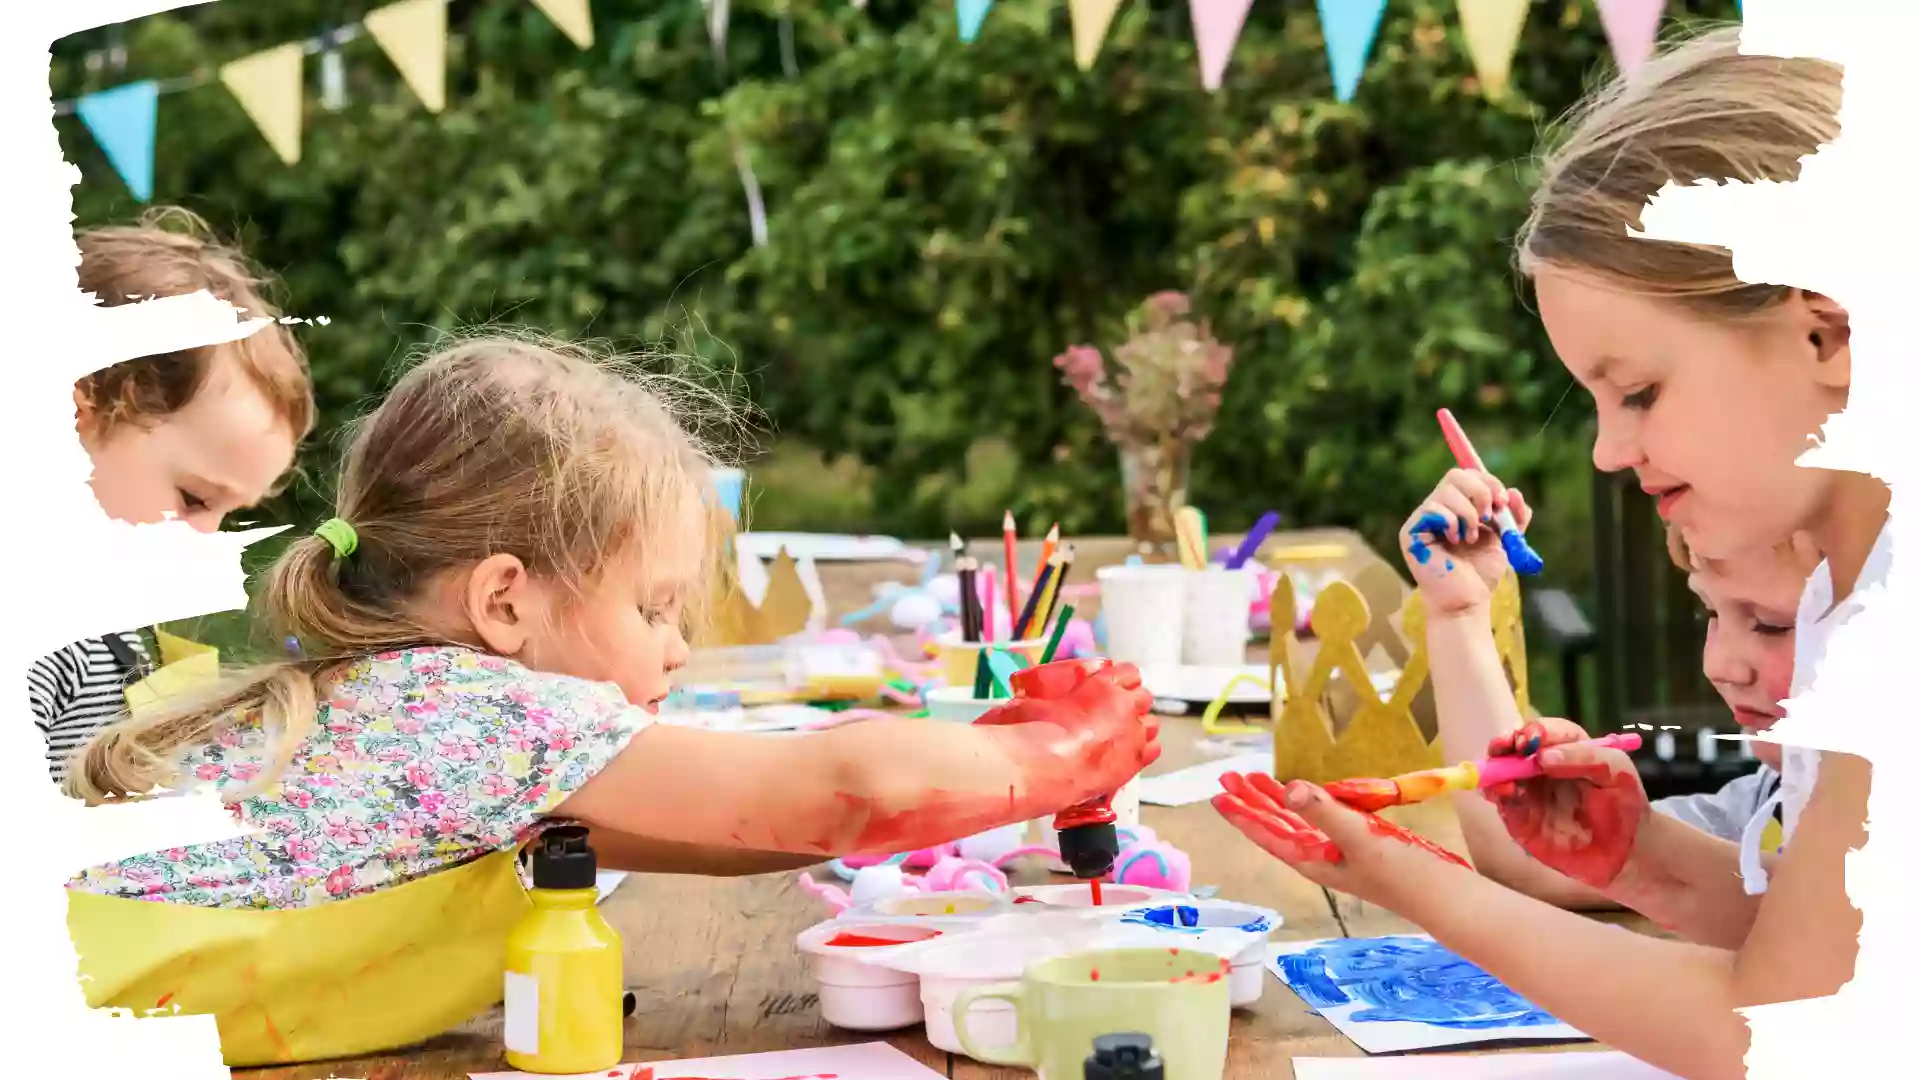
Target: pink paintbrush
(1371, 794)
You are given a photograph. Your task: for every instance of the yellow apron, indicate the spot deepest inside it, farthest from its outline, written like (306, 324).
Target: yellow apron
(356, 976)
(184, 665)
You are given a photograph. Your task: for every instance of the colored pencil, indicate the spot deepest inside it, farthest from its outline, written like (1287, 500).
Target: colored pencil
(1046, 596)
(1059, 585)
(1024, 623)
(1010, 535)
(1059, 631)
(1251, 545)
(965, 568)
(987, 603)
(1047, 548)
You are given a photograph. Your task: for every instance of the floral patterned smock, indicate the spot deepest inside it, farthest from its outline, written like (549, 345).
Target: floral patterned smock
(420, 760)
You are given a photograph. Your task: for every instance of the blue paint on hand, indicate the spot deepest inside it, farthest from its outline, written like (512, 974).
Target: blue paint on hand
(1430, 524)
(1406, 980)
(1524, 560)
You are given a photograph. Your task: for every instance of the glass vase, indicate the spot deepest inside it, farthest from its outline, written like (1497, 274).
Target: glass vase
(1155, 478)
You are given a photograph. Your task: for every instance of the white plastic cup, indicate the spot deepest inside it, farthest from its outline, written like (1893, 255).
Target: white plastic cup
(1142, 607)
(1219, 603)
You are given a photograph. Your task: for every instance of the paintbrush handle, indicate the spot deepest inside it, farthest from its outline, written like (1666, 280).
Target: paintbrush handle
(1505, 770)
(1467, 457)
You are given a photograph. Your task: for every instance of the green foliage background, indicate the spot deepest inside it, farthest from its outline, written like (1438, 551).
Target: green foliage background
(943, 219)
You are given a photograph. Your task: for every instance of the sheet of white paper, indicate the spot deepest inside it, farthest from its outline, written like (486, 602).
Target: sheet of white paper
(1198, 783)
(1598, 1065)
(860, 1061)
(1361, 985)
(606, 881)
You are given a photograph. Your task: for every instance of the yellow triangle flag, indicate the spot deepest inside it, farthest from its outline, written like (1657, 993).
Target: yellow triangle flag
(414, 35)
(269, 87)
(185, 667)
(1090, 21)
(572, 17)
(1492, 29)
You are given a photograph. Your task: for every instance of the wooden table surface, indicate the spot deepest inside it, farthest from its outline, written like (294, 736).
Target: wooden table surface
(713, 964)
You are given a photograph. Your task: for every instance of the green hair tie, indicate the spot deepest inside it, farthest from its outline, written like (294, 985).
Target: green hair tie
(337, 532)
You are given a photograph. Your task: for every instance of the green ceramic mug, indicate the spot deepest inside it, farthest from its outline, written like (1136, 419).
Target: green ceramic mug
(1176, 996)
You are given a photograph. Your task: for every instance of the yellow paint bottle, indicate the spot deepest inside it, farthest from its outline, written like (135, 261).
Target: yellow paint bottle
(564, 967)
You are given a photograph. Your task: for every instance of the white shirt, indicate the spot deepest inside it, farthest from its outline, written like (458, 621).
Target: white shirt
(1813, 627)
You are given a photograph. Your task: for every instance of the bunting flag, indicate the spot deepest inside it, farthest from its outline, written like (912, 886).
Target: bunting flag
(1492, 29)
(413, 33)
(572, 17)
(1631, 27)
(1349, 27)
(971, 13)
(269, 86)
(1091, 18)
(122, 121)
(1216, 26)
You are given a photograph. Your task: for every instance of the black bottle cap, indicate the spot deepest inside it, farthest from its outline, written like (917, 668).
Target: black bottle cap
(1089, 850)
(562, 859)
(1125, 1056)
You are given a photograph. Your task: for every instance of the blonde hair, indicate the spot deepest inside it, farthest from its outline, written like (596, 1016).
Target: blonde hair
(1698, 111)
(549, 452)
(171, 252)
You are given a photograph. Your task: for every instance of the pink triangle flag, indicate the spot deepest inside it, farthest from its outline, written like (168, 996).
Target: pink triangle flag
(1216, 26)
(1631, 27)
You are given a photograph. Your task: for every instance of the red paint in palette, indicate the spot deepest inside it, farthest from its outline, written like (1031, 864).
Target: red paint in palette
(1093, 886)
(849, 940)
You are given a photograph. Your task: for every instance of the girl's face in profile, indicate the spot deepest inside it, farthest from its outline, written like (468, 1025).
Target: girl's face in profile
(1710, 414)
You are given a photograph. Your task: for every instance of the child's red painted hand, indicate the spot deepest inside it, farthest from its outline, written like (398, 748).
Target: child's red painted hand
(1331, 845)
(1082, 738)
(1452, 551)
(1582, 816)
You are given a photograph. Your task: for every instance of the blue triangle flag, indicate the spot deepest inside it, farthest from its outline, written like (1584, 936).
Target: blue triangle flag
(971, 13)
(122, 120)
(1349, 27)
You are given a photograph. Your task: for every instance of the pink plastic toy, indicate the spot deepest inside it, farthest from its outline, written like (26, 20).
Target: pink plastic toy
(1145, 860)
(879, 881)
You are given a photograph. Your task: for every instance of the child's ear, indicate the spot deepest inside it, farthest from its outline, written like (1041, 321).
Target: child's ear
(501, 601)
(1832, 338)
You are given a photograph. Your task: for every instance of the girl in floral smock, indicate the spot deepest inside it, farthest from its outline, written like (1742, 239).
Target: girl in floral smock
(488, 628)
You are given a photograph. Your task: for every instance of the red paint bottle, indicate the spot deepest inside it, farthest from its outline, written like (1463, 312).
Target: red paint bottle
(1089, 841)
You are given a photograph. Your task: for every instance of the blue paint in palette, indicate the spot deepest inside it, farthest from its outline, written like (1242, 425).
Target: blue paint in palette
(1408, 980)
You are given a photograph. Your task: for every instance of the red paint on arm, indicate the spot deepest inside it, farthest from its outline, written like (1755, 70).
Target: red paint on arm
(1380, 826)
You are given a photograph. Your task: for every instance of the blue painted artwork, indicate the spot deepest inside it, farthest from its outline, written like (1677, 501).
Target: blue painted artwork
(1406, 979)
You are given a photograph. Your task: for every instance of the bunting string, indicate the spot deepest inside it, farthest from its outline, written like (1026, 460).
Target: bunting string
(270, 84)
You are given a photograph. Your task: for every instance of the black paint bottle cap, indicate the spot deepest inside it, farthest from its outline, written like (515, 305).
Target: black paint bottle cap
(1125, 1056)
(1089, 850)
(563, 860)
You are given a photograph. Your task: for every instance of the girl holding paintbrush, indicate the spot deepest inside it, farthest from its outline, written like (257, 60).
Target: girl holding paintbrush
(1709, 389)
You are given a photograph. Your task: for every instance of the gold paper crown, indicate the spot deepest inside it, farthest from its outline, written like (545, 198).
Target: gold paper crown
(1331, 724)
(781, 613)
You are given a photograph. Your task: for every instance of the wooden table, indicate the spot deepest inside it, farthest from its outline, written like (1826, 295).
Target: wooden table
(713, 964)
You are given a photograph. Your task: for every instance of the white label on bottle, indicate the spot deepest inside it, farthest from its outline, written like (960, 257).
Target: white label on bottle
(523, 1013)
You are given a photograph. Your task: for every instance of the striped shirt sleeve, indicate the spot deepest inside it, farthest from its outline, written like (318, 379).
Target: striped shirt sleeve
(75, 692)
